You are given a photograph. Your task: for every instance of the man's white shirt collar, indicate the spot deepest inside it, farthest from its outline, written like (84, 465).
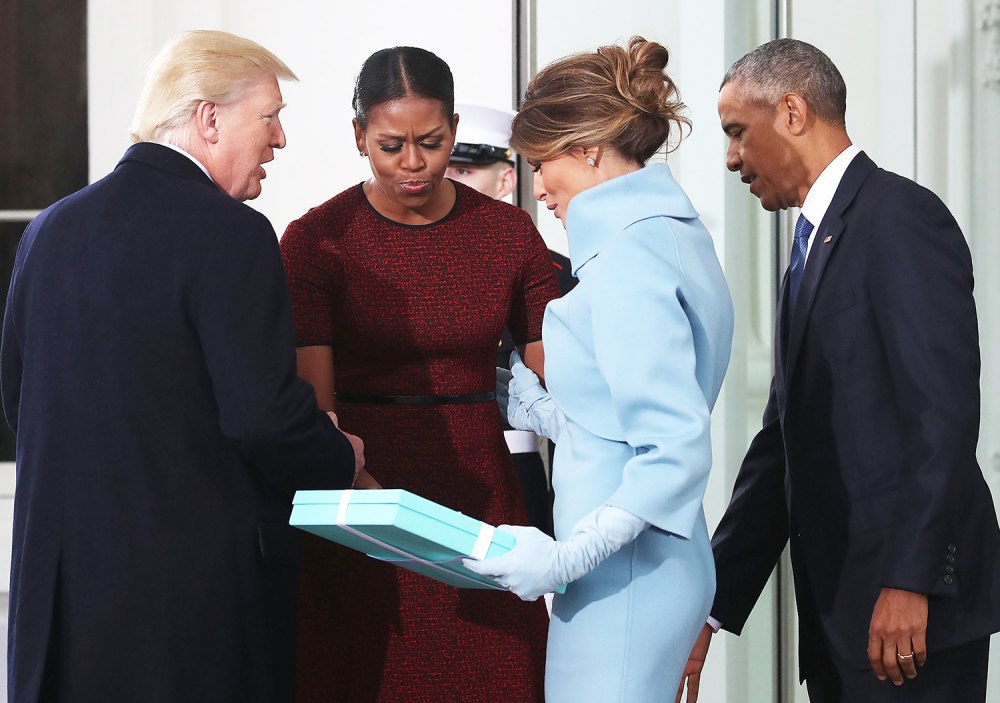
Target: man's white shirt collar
(181, 151)
(821, 193)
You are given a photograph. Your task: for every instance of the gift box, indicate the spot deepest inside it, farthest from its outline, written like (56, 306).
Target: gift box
(399, 527)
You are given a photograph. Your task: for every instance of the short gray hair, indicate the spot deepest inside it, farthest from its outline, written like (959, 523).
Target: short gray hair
(784, 66)
(195, 66)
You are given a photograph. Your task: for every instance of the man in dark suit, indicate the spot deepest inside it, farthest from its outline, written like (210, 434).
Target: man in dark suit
(148, 371)
(866, 460)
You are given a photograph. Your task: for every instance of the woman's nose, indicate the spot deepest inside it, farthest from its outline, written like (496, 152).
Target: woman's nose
(538, 186)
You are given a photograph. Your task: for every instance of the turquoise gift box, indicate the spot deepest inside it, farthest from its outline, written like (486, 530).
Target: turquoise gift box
(402, 528)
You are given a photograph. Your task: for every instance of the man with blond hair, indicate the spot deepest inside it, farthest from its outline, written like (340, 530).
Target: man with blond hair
(148, 371)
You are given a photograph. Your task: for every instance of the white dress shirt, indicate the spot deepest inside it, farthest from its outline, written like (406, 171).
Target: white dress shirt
(821, 193)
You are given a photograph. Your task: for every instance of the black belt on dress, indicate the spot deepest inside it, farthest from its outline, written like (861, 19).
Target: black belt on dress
(483, 397)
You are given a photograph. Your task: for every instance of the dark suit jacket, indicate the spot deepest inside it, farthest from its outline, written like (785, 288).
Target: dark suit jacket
(148, 370)
(866, 459)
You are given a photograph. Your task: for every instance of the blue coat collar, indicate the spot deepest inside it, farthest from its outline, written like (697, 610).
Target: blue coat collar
(599, 213)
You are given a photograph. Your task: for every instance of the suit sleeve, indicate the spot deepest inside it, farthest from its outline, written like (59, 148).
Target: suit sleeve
(926, 316)
(754, 530)
(240, 307)
(11, 360)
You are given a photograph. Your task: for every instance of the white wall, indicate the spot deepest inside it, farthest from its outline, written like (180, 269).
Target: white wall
(325, 43)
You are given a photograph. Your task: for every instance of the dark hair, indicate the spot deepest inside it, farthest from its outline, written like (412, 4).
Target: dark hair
(399, 72)
(783, 66)
(616, 96)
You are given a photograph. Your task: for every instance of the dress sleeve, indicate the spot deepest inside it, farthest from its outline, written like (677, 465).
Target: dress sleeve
(312, 279)
(536, 286)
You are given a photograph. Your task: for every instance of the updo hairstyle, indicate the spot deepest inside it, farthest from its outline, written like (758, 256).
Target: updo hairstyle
(400, 72)
(619, 97)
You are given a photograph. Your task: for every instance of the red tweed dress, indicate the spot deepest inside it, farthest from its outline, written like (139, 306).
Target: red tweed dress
(418, 310)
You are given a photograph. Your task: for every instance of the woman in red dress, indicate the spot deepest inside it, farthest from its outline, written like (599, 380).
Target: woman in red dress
(401, 286)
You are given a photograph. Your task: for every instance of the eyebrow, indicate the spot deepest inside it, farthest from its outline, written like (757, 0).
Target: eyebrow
(433, 133)
(276, 108)
(730, 126)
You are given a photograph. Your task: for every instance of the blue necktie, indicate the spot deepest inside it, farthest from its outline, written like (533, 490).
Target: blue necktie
(797, 264)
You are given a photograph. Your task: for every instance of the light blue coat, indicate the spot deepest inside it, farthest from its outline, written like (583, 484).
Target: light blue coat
(635, 357)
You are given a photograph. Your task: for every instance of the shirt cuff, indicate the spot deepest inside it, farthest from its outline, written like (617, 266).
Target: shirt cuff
(714, 624)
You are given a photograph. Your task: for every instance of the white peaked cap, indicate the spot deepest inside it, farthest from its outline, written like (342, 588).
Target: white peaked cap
(482, 124)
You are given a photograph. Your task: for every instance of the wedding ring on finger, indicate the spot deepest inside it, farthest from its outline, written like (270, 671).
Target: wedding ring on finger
(904, 657)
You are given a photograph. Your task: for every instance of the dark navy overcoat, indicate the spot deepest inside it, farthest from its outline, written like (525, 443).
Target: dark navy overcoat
(148, 370)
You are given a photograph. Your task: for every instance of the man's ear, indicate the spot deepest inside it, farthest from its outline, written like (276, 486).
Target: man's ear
(206, 121)
(796, 112)
(507, 182)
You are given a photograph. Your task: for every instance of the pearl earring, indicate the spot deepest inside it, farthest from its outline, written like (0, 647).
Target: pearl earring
(591, 162)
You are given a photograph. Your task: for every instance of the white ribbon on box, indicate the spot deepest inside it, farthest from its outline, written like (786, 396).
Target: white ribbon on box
(479, 549)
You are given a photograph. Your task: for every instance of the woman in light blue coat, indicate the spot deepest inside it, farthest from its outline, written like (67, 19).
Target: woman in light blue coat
(635, 357)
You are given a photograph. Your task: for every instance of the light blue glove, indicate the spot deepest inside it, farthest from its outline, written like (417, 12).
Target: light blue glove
(530, 406)
(503, 398)
(538, 564)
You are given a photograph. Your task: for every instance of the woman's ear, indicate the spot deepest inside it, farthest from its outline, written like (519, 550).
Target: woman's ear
(359, 137)
(592, 155)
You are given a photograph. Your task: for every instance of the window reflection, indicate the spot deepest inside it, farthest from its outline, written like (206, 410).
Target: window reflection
(43, 89)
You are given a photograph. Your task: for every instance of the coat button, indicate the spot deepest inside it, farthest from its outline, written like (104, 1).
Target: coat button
(950, 558)
(951, 548)
(949, 580)
(949, 569)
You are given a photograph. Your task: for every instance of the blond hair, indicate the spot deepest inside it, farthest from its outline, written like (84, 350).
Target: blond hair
(195, 66)
(616, 96)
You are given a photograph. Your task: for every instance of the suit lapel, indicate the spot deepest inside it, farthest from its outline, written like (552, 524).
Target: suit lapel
(830, 231)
